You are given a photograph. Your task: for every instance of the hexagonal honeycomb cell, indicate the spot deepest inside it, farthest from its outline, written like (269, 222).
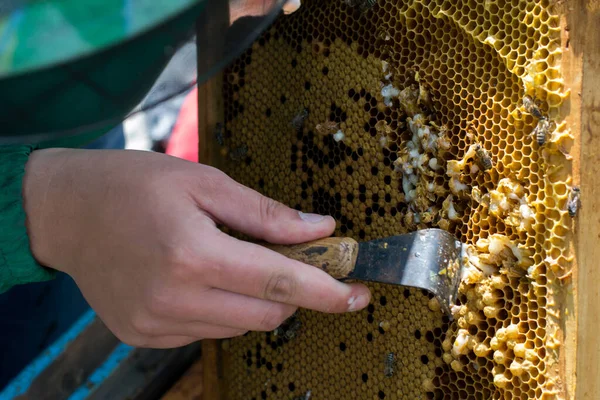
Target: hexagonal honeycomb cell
(394, 116)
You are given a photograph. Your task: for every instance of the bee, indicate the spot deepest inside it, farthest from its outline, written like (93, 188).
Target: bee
(390, 364)
(298, 121)
(362, 5)
(293, 329)
(327, 128)
(219, 134)
(304, 396)
(238, 153)
(513, 271)
(542, 130)
(289, 328)
(424, 98)
(483, 158)
(574, 201)
(531, 107)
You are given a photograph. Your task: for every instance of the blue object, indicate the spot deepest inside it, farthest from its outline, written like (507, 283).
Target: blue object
(33, 316)
(22, 382)
(103, 371)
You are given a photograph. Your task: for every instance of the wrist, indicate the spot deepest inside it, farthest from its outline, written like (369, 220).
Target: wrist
(43, 180)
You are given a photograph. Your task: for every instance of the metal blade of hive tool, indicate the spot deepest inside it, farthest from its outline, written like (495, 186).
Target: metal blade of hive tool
(429, 259)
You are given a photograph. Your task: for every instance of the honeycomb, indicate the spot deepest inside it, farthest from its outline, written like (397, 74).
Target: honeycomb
(393, 116)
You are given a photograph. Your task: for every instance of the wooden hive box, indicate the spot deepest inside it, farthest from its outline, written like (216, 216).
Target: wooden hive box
(403, 83)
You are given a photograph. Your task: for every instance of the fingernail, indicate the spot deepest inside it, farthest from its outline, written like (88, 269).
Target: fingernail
(357, 303)
(312, 218)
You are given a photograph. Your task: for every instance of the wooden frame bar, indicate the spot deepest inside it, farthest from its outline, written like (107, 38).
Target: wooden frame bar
(583, 61)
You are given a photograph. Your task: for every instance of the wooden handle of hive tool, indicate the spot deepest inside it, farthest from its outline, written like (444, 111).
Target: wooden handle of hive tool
(336, 256)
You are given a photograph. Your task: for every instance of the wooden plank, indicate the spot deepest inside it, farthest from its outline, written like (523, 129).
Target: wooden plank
(210, 98)
(146, 374)
(87, 368)
(190, 386)
(213, 379)
(581, 70)
(571, 67)
(585, 40)
(74, 365)
(210, 112)
(209, 102)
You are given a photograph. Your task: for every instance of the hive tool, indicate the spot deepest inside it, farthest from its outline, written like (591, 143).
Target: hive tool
(429, 259)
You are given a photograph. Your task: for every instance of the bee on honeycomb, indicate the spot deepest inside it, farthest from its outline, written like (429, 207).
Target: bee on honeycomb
(290, 328)
(483, 158)
(305, 396)
(532, 107)
(574, 201)
(238, 153)
(390, 364)
(362, 5)
(219, 137)
(327, 128)
(298, 121)
(542, 130)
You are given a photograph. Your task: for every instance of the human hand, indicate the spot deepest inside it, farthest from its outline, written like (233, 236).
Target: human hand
(137, 232)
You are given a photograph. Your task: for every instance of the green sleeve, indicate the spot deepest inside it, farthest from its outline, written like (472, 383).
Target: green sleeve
(17, 265)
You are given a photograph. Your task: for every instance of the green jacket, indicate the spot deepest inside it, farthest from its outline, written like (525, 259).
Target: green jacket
(17, 265)
(113, 59)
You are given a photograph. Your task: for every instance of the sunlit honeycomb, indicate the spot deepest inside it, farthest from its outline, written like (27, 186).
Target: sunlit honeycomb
(403, 116)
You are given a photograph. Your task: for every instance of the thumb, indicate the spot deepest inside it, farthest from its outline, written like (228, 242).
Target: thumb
(261, 217)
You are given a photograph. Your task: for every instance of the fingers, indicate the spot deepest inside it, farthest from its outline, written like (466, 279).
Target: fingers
(149, 329)
(256, 271)
(209, 314)
(247, 211)
(199, 330)
(222, 308)
(168, 342)
(291, 6)
(173, 341)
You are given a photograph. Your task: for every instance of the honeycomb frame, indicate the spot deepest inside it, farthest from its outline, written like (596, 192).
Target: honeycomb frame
(561, 385)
